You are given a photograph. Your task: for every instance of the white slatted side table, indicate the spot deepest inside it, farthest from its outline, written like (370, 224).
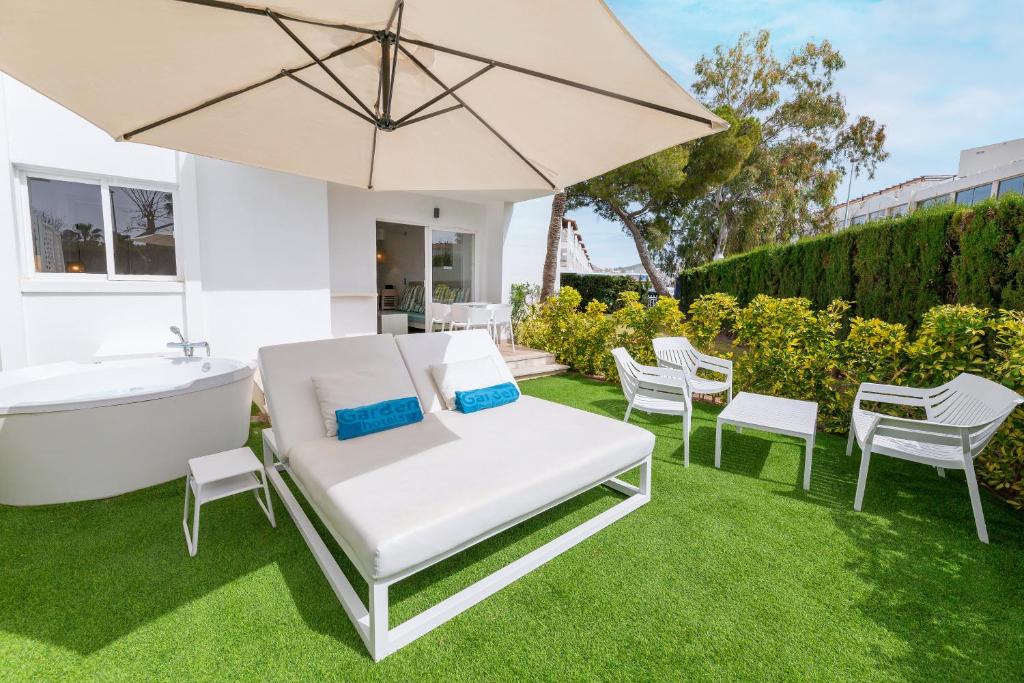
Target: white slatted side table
(220, 475)
(785, 416)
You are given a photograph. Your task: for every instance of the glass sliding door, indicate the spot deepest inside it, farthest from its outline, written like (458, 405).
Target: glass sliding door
(452, 266)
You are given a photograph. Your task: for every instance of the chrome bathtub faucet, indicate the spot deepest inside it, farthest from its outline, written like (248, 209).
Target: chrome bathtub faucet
(187, 347)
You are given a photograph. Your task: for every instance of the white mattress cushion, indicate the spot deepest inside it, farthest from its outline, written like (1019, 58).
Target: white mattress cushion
(464, 375)
(404, 496)
(422, 351)
(355, 388)
(288, 371)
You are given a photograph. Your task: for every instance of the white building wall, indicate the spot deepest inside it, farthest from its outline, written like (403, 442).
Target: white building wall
(13, 351)
(46, 322)
(978, 159)
(353, 214)
(264, 257)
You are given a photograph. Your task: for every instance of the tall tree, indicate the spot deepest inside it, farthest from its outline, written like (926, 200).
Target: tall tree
(638, 196)
(554, 235)
(786, 185)
(647, 196)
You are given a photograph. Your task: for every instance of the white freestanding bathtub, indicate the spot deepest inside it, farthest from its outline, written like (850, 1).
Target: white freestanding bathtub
(79, 431)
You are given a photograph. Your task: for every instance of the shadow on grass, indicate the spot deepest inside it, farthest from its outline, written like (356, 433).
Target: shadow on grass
(929, 580)
(82, 581)
(83, 575)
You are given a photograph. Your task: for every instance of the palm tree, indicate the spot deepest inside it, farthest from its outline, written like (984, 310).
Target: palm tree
(554, 234)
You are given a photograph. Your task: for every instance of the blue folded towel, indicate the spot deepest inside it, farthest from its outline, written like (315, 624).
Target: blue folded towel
(488, 397)
(377, 417)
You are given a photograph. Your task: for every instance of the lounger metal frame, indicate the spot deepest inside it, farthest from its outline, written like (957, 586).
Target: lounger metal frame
(371, 621)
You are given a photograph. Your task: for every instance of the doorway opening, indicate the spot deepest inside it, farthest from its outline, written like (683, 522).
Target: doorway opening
(401, 264)
(418, 267)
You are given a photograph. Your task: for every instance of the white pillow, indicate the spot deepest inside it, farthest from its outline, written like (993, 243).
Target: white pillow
(464, 375)
(352, 389)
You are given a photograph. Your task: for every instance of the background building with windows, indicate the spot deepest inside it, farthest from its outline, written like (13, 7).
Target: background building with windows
(573, 256)
(983, 172)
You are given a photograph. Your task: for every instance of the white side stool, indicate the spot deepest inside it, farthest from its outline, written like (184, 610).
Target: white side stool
(219, 475)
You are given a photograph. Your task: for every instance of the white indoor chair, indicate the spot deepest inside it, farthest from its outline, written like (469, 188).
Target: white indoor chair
(470, 317)
(961, 417)
(440, 314)
(649, 389)
(501, 323)
(679, 353)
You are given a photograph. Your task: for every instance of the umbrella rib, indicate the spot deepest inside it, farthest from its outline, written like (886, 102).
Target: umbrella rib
(331, 98)
(447, 91)
(562, 81)
(477, 116)
(234, 7)
(320, 63)
(394, 12)
(431, 115)
(394, 59)
(373, 158)
(240, 91)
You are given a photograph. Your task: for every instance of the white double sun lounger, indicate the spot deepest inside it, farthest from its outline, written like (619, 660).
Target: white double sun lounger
(401, 500)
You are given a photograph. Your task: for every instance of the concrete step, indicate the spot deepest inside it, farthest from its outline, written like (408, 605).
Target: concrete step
(538, 361)
(524, 357)
(527, 363)
(533, 372)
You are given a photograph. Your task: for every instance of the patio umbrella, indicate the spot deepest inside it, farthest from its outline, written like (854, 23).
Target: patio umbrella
(425, 95)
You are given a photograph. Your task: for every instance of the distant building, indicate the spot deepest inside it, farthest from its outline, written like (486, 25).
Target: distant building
(983, 172)
(572, 251)
(48, 248)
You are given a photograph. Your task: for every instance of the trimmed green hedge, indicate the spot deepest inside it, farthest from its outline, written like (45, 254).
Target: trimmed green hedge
(895, 269)
(603, 288)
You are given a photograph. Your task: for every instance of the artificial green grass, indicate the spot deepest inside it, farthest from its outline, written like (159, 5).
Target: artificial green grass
(726, 574)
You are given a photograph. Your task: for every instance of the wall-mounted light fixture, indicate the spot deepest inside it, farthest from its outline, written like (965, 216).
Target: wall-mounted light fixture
(437, 212)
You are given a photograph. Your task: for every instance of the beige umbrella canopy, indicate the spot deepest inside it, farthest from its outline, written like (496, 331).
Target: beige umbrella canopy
(410, 95)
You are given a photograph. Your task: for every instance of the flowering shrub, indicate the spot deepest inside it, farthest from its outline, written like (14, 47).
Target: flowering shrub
(874, 351)
(583, 339)
(791, 350)
(786, 348)
(709, 315)
(952, 339)
(1002, 463)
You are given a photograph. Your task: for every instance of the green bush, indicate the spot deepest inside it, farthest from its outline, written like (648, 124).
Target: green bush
(989, 237)
(522, 296)
(583, 339)
(793, 351)
(1002, 463)
(709, 316)
(874, 351)
(895, 269)
(603, 288)
(952, 339)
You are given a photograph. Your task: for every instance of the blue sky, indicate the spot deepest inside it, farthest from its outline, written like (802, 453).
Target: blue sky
(943, 75)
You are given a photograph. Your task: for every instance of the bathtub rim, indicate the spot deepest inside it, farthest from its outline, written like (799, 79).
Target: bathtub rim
(244, 370)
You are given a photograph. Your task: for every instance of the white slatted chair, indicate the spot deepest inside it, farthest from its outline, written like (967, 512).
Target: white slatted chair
(961, 418)
(664, 391)
(678, 353)
(501, 323)
(465, 317)
(441, 314)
